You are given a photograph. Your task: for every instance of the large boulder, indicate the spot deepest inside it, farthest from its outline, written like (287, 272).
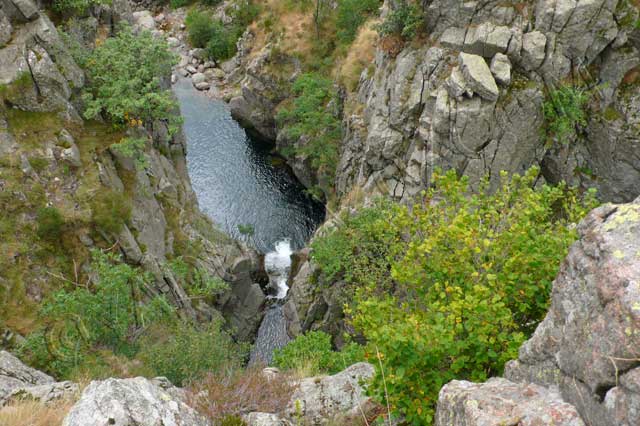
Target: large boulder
(125, 402)
(319, 399)
(18, 381)
(15, 375)
(588, 343)
(499, 402)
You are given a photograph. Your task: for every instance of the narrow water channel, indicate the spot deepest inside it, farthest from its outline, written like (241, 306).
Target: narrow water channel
(239, 184)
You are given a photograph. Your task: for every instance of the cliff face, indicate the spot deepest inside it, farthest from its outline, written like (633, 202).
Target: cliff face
(51, 158)
(426, 106)
(434, 105)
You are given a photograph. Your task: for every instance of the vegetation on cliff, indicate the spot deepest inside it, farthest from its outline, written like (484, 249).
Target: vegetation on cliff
(450, 286)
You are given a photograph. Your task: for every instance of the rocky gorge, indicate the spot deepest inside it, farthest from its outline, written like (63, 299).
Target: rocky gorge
(468, 97)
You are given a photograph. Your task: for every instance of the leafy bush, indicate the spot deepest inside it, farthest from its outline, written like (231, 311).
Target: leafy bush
(564, 110)
(311, 117)
(76, 6)
(199, 27)
(313, 354)
(132, 148)
(451, 286)
(110, 210)
(188, 352)
(50, 224)
(196, 281)
(404, 21)
(351, 14)
(124, 75)
(219, 39)
(222, 43)
(108, 315)
(224, 395)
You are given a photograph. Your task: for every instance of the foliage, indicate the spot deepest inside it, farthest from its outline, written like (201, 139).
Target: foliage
(452, 285)
(313, 354)
(311, 117)
(404, 21)
(132, 148)
(110, 210)
(189, 352)
(351, 14)
(564, 111)
(197, 281)
(219, 39)
(222, 43)
(83, 318)
(124, 79)
(228, 393)
(77, 6)
(199, 27)
(50, 224)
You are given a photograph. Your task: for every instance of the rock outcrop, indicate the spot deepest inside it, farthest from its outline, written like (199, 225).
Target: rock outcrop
(499, 402)
(124, 402)
(40, 85)
(588, 343)
(322, 400)
(18, 381)
(431, 106)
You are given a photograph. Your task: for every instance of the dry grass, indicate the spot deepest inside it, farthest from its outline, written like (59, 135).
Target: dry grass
(360, 55)
(233, 393)
(30, 413)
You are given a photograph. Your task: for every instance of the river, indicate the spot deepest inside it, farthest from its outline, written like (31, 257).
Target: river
(250, 194)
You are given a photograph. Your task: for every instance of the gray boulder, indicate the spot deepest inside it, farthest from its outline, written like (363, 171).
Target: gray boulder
(499, 402)
(533, 50)
(18, 381)
(319, 399)
(125, 402)
(501, 68)
(15, 375)
(265, 419)
(144, 20)
(5, 29)
(588, 343)
(478, 76)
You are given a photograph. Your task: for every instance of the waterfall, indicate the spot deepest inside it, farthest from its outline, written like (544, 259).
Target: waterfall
(278, 264)
(272, 333)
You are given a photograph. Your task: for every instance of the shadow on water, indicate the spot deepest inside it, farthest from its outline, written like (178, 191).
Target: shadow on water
(236, 179)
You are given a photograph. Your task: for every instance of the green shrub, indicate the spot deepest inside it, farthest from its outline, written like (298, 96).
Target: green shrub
(222, 43)
(312, 117)
(132, 148)
(76, 6)
(565, 111)
(82, 319)
(450, 287)
(190, 352)
(351, 14)
(199, 27)
(175, 4)
(404, 21)
(50, 224)
(124, 75)
(313, 354)
(197, 281)
(110, 210)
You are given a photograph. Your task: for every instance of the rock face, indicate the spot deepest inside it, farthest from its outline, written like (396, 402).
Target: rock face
(499, 402)
(588, 343)
(17, 381)
(432, 106)
(124, 402)
(318, 399)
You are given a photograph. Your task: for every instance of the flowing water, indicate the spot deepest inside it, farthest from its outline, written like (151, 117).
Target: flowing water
(240, 186)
